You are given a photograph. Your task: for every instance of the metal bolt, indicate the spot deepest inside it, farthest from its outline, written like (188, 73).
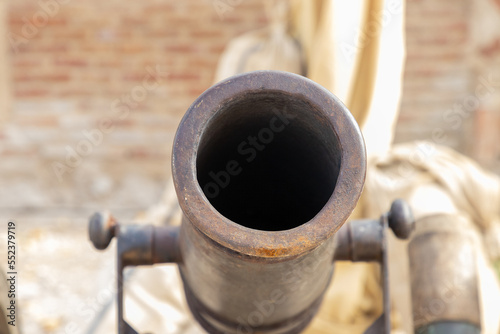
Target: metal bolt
(401, 219)
(101, 229)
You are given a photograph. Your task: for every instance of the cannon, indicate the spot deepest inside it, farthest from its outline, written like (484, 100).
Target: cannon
(267, 166)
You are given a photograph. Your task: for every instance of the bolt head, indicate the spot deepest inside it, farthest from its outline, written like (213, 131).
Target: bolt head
(401, 219)
(101, 229)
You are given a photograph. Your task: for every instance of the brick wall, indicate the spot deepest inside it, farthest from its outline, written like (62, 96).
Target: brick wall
(450, 94)
(4, 79)
(85, 64)
(436, 73)
(98, 88)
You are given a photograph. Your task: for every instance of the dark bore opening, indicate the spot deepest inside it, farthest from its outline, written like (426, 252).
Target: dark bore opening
(268, 161)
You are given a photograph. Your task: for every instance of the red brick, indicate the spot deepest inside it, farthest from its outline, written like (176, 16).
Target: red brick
(181, 48)
(184, 77)
(131, 48)
(45, 78)
(86, 58)
(71, 62)
(203, 34)
(27, 93)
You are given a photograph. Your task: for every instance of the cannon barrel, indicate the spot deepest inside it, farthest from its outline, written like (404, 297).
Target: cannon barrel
(444, 276)
(267, 167)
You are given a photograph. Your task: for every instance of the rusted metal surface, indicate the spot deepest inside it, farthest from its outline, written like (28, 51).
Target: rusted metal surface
(257, 242)
(136, 245)
(321, 119)
(267, 166)
(363, 240)
(444, 282)
(360, 240)
(366, 240)
(228, 293)
(400, 219)
(101, 229)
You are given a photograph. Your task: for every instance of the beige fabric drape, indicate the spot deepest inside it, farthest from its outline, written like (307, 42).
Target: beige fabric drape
(312, 22)
(363, 83)
(438, 180)
(353, 300)
(369, 83)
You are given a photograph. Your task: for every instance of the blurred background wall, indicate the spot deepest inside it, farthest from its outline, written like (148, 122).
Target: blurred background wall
(97, 88)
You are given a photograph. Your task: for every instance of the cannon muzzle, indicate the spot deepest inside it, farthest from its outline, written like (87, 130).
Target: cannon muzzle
(267, 167)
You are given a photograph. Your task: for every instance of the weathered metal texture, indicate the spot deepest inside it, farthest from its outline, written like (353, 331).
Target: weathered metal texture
(360, 240)
(256, 240)
(230, 293)
(321, 115)
(363, 240)
(366, 240)
(101, 229)
(148, 244)
(449, 327)
(137, 244)
(400, 219)
(444, 283)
